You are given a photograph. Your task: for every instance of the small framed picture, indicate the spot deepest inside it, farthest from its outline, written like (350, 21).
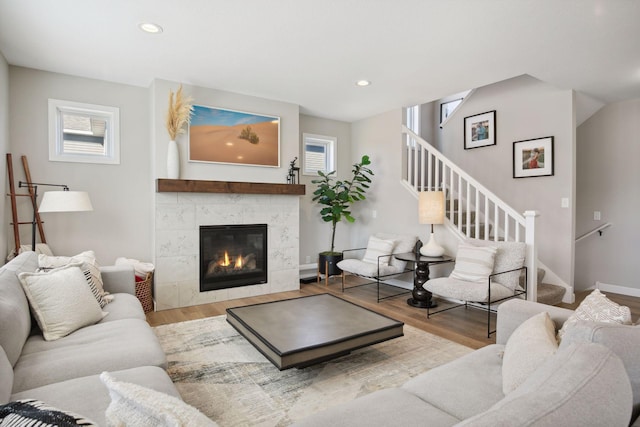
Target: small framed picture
(533, 157)
(480, 130)
(446, 108)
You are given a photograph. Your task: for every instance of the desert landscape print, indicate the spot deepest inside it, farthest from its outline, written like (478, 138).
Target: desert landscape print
(227, 136)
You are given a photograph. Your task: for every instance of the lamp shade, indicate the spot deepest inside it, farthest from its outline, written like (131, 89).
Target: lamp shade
(431, 207)
(65, 201)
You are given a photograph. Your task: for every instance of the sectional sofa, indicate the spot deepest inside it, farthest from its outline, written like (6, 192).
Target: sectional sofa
(64, 373)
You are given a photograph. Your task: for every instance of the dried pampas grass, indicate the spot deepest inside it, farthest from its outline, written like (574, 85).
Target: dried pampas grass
(179, 113)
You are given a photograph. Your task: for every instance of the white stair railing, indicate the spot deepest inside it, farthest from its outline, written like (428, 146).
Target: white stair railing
(472, 210)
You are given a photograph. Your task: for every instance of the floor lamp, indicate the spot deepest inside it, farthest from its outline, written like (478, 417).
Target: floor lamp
(56, 201)
(431, 211)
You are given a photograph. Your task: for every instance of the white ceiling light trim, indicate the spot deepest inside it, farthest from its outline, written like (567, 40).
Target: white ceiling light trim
(150, 27)
(363, 83)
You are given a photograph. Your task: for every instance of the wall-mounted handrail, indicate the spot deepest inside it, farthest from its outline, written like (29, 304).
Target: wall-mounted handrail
(594, 231)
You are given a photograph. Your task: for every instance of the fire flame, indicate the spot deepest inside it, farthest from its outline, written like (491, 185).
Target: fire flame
(226, 261)
(238, 262)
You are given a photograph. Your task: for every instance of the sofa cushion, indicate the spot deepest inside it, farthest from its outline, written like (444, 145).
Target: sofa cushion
(133, 404)
(473, 264)
(89, 397)
(31, 412)
(467, 291)
(509, 256)
(124, 306)
(6, 374)
(623, 340)
(596, 307)
(584, 383)
(108, 346)
(378, 251)
(61, 300)
(530, 345)
(15, 319)
(464, 387)
(389, 407)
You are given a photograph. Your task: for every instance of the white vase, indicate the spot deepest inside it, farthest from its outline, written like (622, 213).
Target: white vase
(173, 161)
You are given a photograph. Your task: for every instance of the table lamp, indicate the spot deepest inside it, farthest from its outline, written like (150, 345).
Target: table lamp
(431, 211)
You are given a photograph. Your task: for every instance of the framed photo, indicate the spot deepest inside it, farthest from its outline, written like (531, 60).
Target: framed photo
(480, 130)
(446, 108)
(533, 157)
(217, 135)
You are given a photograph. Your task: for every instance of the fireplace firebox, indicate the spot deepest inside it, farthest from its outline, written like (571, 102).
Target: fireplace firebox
(232, 256)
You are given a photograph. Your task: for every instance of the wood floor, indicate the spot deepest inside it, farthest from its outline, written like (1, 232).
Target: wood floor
(464, 326)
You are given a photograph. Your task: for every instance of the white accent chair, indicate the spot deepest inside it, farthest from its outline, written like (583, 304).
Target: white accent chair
(486, 273)
(378, 262)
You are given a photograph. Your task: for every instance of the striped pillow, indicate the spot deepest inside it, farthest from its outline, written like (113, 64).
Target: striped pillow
(474, 263)
(376, 248)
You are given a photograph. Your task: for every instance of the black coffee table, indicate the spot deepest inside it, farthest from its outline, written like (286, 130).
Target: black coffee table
(302, 331)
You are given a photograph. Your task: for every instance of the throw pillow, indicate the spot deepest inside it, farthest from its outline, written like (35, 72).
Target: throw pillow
(138, 406)
(378, 248)
(86, 270)
(30, 412)
(528, 347)
(473, 263)
(509, 256)
(596, 307)
(88, 257)
(60, 301)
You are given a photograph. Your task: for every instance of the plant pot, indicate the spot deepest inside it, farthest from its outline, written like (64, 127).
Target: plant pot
(328, 264)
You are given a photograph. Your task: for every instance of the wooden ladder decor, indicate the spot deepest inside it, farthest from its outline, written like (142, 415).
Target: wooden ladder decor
(14, 210)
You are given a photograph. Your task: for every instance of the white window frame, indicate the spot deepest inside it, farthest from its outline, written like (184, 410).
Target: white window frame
(329, 142)
(111, 115)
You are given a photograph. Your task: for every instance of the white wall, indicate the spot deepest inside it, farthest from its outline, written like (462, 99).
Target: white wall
(4, 148)
(526, 108)
(120, 224)
(608, 151)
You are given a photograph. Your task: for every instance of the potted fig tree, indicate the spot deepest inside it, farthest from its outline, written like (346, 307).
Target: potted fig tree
(335, 198)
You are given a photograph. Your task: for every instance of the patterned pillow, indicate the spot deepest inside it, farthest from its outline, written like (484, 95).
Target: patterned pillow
(473, 263)
(596, 307)
(509, 256)
(378, 247)
(87, 257)
(30, 412)
(60, 301)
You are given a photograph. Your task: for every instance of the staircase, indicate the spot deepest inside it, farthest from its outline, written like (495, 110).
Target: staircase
(472, 211)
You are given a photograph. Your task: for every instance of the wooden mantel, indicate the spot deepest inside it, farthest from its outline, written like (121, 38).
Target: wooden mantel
(228, 187)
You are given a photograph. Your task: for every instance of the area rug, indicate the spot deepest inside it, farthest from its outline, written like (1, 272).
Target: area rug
(216, 370)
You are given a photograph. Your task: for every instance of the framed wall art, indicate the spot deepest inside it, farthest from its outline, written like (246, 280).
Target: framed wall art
(480, 130)
(446, 108)
(218, 135)
(533, 157)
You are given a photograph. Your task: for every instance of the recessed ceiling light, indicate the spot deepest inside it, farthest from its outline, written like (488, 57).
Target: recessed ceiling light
(363, 83)
(149, 27)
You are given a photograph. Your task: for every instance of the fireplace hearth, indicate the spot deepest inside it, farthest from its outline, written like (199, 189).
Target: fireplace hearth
(232, 256)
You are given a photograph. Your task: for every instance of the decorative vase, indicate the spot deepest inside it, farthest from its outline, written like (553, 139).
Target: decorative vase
(173, 161)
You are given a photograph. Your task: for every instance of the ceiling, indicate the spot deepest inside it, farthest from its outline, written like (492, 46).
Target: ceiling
(311, 52)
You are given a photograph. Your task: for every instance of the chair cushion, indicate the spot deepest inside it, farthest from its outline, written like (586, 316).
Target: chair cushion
(473, 263)
(509, 256)
(6, 373)
(623, 340)
(530, 345)
(596, 307)
(379, 251)
(366, 269)
(466, 291)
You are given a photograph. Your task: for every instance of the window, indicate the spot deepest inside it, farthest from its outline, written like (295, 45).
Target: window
(84, 133)
(318, 154)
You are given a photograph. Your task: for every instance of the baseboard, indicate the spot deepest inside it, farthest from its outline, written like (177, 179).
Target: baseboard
(617, 289)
